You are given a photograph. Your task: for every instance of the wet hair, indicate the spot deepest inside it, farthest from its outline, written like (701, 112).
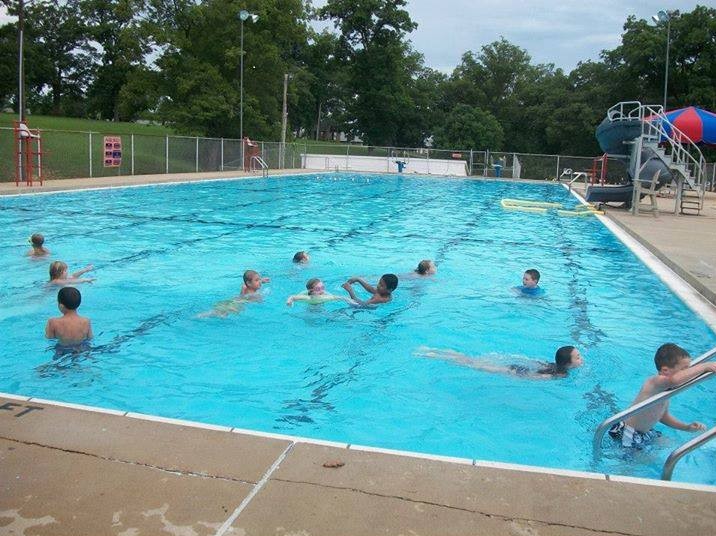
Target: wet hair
(37, 240)
(669, 355)
(69, 297)
(534, 274)
(562, 360)
(249, 275)
(391, 281)
(300, 256)
(423, 267)
(56, 269)
(312, 283)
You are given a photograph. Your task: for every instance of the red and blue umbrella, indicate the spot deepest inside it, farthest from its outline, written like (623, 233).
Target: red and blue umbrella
(699, 125)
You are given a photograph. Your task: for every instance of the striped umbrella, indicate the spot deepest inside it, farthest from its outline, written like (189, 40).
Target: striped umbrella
(699, 125)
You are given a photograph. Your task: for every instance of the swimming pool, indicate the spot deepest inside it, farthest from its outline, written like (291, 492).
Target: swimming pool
(164, 254)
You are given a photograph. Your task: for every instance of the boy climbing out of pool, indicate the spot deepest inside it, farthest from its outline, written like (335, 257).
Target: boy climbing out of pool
(381, 293)
(673, 368)
(315, 294)
(59, 276)
(71, 330)
(530, 283)
(38, 249)
(565, 359)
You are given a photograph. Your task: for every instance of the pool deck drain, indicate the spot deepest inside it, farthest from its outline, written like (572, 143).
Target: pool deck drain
(66, 470)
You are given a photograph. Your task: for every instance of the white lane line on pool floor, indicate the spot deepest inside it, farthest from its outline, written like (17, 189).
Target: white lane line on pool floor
(260, 484)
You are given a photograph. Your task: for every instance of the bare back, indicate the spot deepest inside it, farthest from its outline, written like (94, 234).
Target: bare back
(69, 329)
(645, 421)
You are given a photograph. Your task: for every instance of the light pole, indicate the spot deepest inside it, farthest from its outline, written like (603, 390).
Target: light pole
(665, 16)
(243, 15)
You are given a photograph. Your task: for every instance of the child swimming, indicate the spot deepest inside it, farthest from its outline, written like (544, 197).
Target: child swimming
(426, 267)
(252, 282)
(301, 257)
(530, 284)
(38, 249)
(315, 293)
(58, 274)
(565, 359)
(71, 330)
(250, 292)
(381, 293)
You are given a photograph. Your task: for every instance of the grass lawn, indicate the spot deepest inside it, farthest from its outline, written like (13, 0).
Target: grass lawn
(86, 125)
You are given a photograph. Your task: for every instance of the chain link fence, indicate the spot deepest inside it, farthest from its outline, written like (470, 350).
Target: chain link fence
(69, 154)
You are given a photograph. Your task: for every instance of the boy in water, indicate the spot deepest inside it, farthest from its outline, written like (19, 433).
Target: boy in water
(38, 250)
(252, 283)
(301, 257)
(566, 358)
(426, 267)
(59, 276)
(315, 294)
(672, 363)
(71, 330)
(249, 292)
(381, 293)
(530, 283)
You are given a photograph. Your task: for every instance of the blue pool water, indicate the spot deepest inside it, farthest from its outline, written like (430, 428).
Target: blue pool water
(164, 254)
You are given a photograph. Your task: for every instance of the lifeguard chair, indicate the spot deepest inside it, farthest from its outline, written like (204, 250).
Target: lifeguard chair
(28, 154)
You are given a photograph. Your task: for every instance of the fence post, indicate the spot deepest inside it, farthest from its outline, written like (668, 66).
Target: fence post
(90, 154)
(557, 175)
(222, 154)
(348, 154)
(470, 163)
(166, 154)
(197, 154)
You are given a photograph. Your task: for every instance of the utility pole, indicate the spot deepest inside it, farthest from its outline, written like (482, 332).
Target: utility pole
(283, 122)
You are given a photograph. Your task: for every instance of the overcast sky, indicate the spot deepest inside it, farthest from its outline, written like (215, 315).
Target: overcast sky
(560, 32)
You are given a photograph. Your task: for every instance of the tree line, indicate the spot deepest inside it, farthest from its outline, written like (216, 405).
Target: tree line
(177, 62)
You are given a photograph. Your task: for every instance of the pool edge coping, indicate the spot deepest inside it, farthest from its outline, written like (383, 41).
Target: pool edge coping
(294, 440)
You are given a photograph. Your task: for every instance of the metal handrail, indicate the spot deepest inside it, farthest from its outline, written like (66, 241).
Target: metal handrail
(683, 450)
(261, 163)
(647, 403)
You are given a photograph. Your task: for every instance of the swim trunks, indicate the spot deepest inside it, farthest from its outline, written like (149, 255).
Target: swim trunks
(519, 370)
(630, 437)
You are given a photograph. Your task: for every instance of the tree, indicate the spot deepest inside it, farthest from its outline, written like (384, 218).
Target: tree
(381, 68)
(469, 127)
(114, 26)
(63, 62)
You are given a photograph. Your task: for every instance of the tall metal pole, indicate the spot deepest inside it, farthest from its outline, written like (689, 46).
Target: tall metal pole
(666, 73)
(284, 119)
(21, 65)
(241, 99)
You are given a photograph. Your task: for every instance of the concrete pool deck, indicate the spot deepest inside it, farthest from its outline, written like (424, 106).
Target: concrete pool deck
(70, 471)
(78, 471)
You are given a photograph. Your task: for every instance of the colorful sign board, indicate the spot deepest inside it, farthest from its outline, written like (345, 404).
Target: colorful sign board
(112, 151)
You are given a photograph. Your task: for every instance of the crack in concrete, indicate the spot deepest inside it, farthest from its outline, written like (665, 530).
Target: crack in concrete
(128, 462)
(458, 508)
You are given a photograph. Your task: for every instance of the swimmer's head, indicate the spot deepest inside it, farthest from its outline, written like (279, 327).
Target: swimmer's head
(568, 357)
(58, 270)
(301, 257)
(252, 280)
(387, 284)
(315, 286)
(37, 240)
(530, 278)
(68, 298)
(426, 267)
(670, 358)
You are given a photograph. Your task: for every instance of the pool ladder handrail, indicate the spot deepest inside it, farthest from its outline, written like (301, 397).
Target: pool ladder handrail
(260, 163)
(683, 450)
(647, 403)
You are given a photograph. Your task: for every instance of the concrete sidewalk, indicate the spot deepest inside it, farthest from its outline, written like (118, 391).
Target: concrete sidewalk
(69, 471)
